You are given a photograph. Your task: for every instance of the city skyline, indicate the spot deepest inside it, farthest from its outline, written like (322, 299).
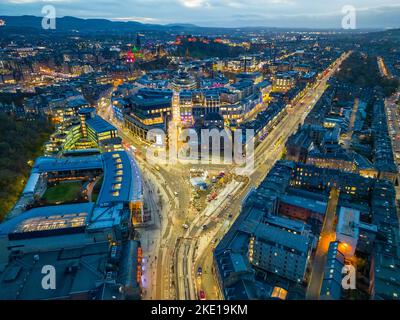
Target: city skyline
(181, 161)
(220, 13)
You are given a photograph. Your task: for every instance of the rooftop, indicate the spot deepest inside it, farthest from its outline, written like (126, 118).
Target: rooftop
(99, 125)
(310, 204)
(348, 222)
(81, 273)
(48, 220)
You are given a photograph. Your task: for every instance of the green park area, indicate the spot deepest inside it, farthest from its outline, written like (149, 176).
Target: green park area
(63, 192)
(21, 142)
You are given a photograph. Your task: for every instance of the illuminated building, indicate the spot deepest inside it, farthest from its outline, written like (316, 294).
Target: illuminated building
(61, 111)
(347, 230)
(283, 82)
(367, 236)
(298, 145)
(308, 210)
(256, 77)
(149, 109)
(385, 279)
(185, 107)
(121, 185)
(385, 262)
(319, 146)
(95, 128)
(383, 152)
(266, 120)
(183, 81)
(281, 250)
(342, 161)
(90, 131)
(265, 88)
(213, 120)
(196, 104)
(87, 246)
(332, 283)
(301, 192)
(279, 293)
(119, 100)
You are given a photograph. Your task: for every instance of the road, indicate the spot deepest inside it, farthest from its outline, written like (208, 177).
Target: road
(393, 121)
(171, 251)
(393, 118)
(163, 183)
(266, 155)
(349, 133)
(328, 234)
(382, 67)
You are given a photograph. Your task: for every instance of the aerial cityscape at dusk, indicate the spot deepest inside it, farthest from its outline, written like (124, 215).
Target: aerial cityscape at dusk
(199, 150)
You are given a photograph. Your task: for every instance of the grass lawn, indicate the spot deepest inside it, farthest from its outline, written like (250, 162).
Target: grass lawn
(63, 192)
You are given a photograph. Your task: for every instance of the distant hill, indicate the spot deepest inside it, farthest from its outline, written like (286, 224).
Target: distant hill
(391, 33)
(68, 24)
(394, 33)
(89, 25)
(183, 25)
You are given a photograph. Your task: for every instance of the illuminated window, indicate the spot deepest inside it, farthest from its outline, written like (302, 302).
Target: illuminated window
(117, 186)
(279, 293)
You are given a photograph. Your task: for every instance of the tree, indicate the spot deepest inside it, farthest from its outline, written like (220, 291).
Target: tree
(20, 141)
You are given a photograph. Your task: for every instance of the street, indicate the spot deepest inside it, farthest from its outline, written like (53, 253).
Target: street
(172, 253)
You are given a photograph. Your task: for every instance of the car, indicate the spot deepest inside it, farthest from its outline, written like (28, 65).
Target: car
(202, 295)
(176, 193)
(205, 227)
(230, 216)
(199, 271)
(185, 226)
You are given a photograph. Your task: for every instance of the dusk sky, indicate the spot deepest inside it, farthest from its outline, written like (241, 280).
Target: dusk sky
(229, 13)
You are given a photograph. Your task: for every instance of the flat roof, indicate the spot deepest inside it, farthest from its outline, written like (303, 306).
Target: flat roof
(306, 203)
(31, 184)
(348, 222)
(50, 218)
(122, 180)
(281, 237)
(99, 125)
(53, 164)
(284, 222)
(80, 270)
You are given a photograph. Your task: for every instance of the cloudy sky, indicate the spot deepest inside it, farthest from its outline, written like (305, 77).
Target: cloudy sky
(230, 13)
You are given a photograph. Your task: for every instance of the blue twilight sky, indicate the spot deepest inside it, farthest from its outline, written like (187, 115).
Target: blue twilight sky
(230, 13)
